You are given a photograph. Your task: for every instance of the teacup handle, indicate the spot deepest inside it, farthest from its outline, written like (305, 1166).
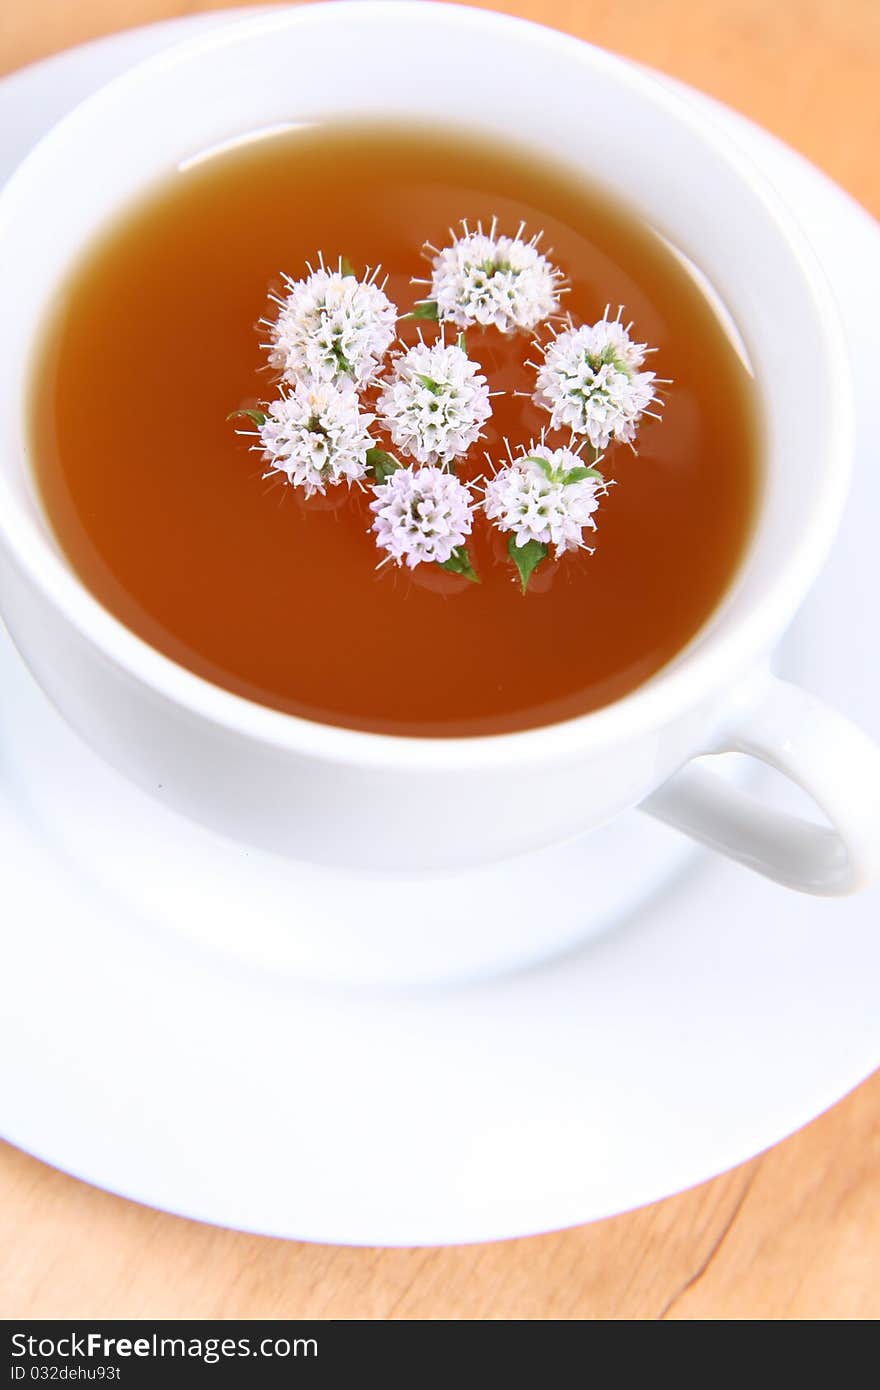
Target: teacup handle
(828, 756)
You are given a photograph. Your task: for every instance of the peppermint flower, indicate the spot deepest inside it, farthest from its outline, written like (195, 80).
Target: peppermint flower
(547, 495)
(492, 279)
(422, 515)
(590, 382)
(434, 403)
(331, 326)
(317, 436)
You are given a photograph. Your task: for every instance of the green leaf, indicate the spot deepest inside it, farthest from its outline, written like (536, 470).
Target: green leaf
(341, 360)
(577, 475)
(380, 464)
(257, 417)
(426, 310)
(429, 383)
(346, 266)
(527, 558)
(459, 562)
(462, 343)
(574, 475)
(544, 464)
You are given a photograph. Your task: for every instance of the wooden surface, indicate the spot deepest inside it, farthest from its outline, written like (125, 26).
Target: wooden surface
(793, 1234)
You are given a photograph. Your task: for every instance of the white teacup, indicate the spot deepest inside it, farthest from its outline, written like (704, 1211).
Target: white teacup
(344, 798)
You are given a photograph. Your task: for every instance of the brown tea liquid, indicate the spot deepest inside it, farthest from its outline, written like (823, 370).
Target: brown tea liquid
(162, 510)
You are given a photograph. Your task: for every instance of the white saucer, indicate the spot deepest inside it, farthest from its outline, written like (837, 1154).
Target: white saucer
(195, 1079)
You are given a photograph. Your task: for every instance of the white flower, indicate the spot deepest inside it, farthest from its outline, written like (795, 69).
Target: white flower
(498, 280)
(422, 514)
(316, 435)
(435, 403)
(531, 498)
(332, 327)
(590, 382)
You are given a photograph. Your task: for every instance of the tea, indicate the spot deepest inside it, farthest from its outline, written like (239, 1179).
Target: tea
(164, 512)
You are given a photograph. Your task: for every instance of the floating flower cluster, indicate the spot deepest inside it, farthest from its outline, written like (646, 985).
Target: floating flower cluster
(546, 496)
(422, 514)
(316, 435)
(331, 326)
(330, 343)
(493, 280)
(435, 403)
(589, 381)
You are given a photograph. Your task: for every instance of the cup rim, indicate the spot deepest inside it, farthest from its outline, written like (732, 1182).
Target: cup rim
(691, 676)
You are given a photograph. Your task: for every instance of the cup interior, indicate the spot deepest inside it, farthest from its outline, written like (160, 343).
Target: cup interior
(605, 118)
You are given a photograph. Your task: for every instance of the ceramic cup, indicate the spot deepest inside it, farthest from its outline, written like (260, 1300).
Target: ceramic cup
(342, 798)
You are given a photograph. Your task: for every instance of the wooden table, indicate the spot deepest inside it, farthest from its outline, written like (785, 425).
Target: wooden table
(793, 1234)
